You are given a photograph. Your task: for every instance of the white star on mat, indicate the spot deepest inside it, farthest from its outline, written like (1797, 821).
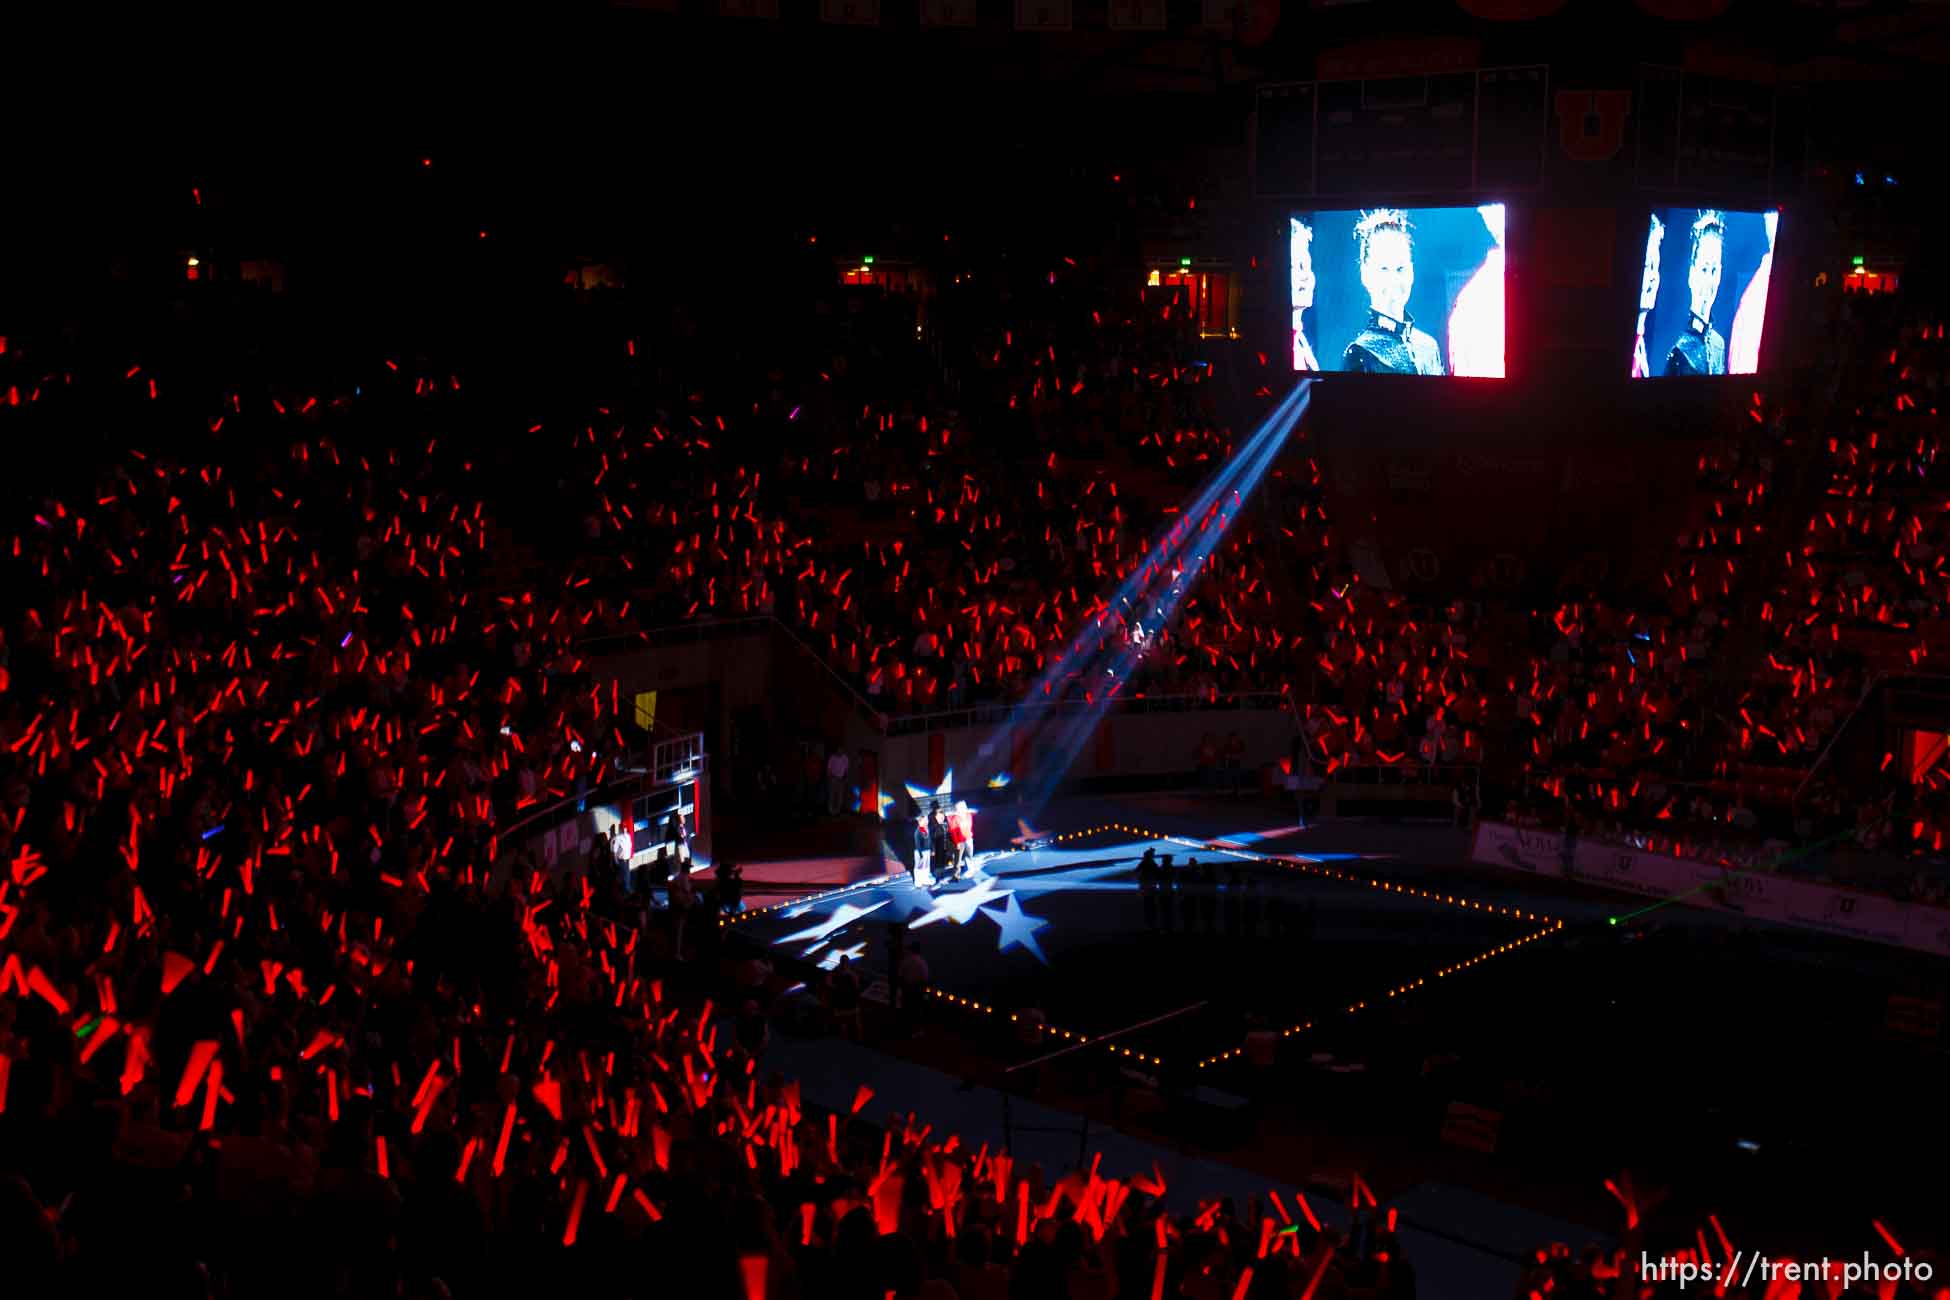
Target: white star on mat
(844, 915)
(961, 907)
(1017, 927)
(831, 961)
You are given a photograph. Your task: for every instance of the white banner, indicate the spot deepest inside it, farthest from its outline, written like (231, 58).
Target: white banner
(1539, 852)
(1804, 904)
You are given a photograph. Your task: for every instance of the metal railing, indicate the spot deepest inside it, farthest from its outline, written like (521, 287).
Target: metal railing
(676, 760)
(1407, 772)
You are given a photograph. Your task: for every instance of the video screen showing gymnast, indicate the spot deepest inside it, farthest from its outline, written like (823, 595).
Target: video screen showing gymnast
(1398, 291)
(1708, 320)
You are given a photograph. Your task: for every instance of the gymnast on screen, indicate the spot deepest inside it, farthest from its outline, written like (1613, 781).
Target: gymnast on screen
(1301, 238)
(1390, 343)
(1701, 350)
(1648, 294)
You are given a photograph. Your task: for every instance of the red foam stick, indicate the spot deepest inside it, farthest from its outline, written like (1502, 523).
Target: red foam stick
(1320, 1271)
(201, 1055)
(615, 1193)
(1624, 1199)
(1245, 1281)
(39, 983)
(575, 1212)
(1887, 1236)
(426, 1081)
(861, 1097)
(549, 1093)
(103, 1032)
(212, 1086)
(1158, 1277)
(466, 1159)
(649, 1207)
(501, 1147)
(175, 969)
(425, 1105)
(752, 1270)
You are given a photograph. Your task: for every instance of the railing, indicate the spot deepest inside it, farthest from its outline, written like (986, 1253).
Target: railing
(676, 760)
(511, 840)
(1407, 772)
(999, 714)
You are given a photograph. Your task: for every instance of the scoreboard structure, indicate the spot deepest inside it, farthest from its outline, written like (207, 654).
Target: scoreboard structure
(1530, 285)
(1447, 132)
(1491, 129)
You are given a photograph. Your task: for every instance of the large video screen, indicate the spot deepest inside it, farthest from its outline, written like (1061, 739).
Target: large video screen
(1702, 292)
(1398, 291)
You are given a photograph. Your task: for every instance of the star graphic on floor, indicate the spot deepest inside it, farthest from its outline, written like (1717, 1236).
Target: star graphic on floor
(831, 961)
(844, 915)
(961, 907)
(1018, 927)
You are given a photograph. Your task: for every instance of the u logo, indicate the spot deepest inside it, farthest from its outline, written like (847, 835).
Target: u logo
(1591, 123)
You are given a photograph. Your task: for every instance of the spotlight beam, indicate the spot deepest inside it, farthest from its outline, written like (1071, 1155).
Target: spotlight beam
(1155, 590)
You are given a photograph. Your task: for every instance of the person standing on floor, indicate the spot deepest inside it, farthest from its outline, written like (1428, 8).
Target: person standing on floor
(923, 851)
(941, 847)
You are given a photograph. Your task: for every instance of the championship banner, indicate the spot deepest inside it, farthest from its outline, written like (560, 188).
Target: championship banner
(1510, 11)
(850, 13)
(1539, 852)
(1251, 21)
(748, 9)
(947, 13)
(1137, 15)
(1042, 15)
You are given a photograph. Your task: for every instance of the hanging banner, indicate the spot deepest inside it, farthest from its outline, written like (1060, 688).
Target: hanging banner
(850, 13)
(1137, 15)
(947, 13)
(1042, 15)
(1510, 11)
(1684, 11)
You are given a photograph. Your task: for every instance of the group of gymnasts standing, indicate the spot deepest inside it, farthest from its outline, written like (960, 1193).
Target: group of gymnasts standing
(944, 843)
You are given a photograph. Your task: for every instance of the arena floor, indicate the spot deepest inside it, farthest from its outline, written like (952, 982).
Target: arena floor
(1180, 976)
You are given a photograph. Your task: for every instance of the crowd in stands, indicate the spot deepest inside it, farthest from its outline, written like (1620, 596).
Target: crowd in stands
(281, 1012)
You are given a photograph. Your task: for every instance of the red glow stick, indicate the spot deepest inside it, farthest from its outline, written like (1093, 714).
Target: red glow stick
(201, 1055)
(501, 1147)
(575, 1212)
(213, 1084)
